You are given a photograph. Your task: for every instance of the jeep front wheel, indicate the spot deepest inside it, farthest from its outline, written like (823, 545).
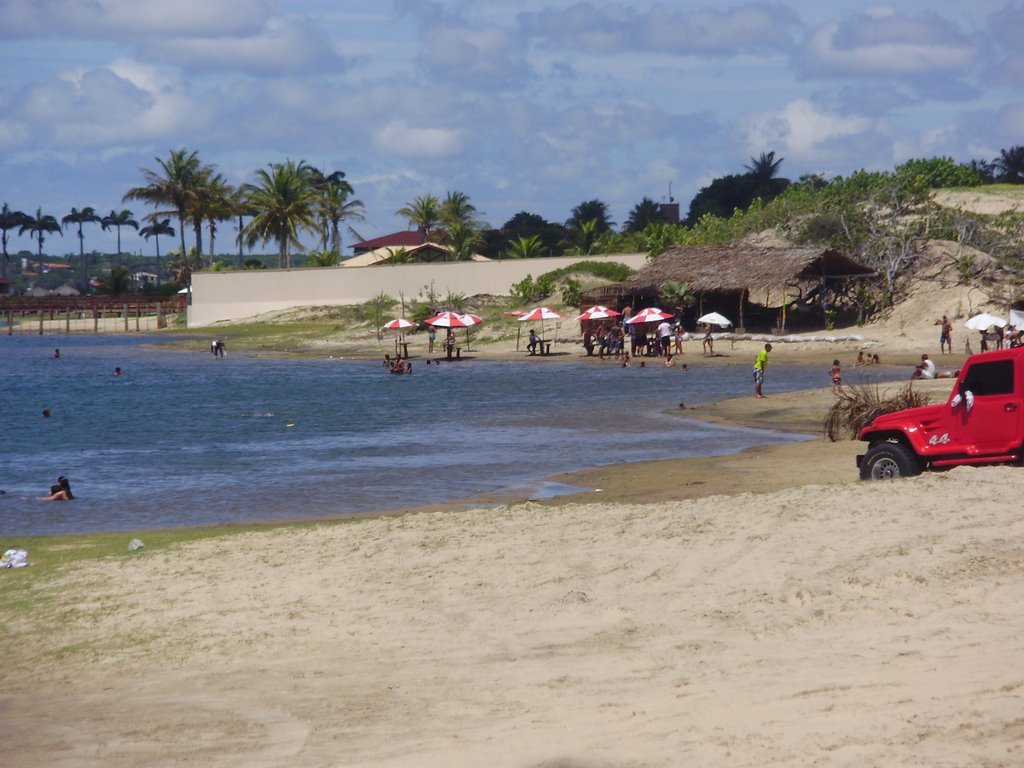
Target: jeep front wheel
(887, 461)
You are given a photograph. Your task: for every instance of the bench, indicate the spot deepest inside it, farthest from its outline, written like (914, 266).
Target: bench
(543, 345)
(458, 353)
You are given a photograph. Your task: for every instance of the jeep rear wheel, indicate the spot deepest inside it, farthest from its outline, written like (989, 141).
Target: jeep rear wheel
(887, 461)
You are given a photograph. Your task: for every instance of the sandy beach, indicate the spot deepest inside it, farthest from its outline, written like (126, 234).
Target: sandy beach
(762, 609)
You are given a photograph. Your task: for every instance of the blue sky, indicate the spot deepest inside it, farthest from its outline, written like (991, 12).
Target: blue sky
(535, 105)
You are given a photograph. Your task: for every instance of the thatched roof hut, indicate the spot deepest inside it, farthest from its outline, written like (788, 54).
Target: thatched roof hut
(737, 273)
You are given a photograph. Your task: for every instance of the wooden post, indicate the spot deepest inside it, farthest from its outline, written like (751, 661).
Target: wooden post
(125, 313)
(159, 316)
(10, 323)
(42, 316)
(67, 320)
(96, 320)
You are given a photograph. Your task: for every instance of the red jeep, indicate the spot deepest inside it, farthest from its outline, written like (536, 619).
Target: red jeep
(979, 423)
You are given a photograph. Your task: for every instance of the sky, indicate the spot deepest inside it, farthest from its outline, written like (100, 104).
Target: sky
(532, 105)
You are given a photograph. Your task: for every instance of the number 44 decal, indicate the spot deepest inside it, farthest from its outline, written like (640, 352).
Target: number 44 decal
(939, 439)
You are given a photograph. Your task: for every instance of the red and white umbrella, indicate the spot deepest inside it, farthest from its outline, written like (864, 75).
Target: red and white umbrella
(399, 324)
(649, 315)
(470, 319)
(598, 312)
(450, 320)
(541, 313)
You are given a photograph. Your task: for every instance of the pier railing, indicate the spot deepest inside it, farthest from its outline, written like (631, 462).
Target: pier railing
(87, 314)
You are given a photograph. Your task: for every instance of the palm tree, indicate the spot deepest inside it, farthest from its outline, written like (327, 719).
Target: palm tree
(176, 185)
(9, 220)
(117, 220)
(584, 237)
(762, 173)
(215, 202)
(591, 210)
(465, 240)
(456, 209)
(1010, 165)
(79, 217)
(525, 248)
(156, 229)
(39, 226)
(334, 207)
(645, 212)
(283, 202)
(424, 213)
(118, 280)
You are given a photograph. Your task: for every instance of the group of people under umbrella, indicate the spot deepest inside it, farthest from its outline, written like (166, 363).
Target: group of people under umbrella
(604, 329)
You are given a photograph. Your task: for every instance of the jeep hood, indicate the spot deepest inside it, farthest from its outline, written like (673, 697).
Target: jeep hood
(905, 420)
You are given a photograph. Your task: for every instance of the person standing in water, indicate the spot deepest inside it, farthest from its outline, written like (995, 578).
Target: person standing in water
(760, 365)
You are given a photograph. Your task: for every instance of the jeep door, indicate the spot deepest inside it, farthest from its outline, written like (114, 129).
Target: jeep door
(992, 424)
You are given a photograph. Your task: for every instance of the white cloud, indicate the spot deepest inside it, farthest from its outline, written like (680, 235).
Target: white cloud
(799, 130)
(280, 46)
(403, 140)
(881, 41)
(611, 28)
(132, 19)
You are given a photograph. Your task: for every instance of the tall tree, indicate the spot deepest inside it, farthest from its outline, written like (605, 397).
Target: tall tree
(9, 220)
(456, 209)
(79, 218)
(333, 207)
(175, 187)
(283, 202)
(39, 226)
(155, 229)
(215, 202)
(424, 213)
(118, 219)
(645, 212)
(591, 210)
(464, 239)
(763, 173)
(1010, 165)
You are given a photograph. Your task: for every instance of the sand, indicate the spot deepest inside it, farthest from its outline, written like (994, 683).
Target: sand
(764, 609)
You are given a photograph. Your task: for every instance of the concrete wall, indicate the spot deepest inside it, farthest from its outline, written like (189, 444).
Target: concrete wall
(220, 296)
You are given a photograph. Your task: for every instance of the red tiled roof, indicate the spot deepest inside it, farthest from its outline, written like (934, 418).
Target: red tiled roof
(404, 239)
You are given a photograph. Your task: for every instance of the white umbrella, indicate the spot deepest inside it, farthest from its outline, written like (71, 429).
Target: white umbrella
(984, 321)
(713, 318)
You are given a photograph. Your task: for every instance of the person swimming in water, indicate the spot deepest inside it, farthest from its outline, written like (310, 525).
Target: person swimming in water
(61, 491)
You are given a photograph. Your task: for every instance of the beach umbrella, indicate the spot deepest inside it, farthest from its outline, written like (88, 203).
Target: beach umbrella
(399, 324)
(984, 321)
(598, 312)
(450, 320)
(649, 315)
(713, 318)
(542, 314)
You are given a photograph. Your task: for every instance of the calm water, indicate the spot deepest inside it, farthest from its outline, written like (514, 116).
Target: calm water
(183, 438)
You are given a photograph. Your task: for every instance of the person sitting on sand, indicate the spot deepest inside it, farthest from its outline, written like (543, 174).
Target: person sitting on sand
(61, 491)
(860, 360)
(924, 370)
(669, 361)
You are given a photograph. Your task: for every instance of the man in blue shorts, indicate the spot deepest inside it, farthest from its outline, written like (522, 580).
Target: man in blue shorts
(760, 364)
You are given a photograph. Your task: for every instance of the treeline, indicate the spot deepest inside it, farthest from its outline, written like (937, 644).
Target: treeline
(865, 214)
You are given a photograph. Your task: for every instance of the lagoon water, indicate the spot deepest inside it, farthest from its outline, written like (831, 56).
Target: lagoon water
(186, 439)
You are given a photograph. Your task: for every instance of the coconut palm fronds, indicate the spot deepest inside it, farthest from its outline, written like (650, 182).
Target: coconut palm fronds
(857, 406)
